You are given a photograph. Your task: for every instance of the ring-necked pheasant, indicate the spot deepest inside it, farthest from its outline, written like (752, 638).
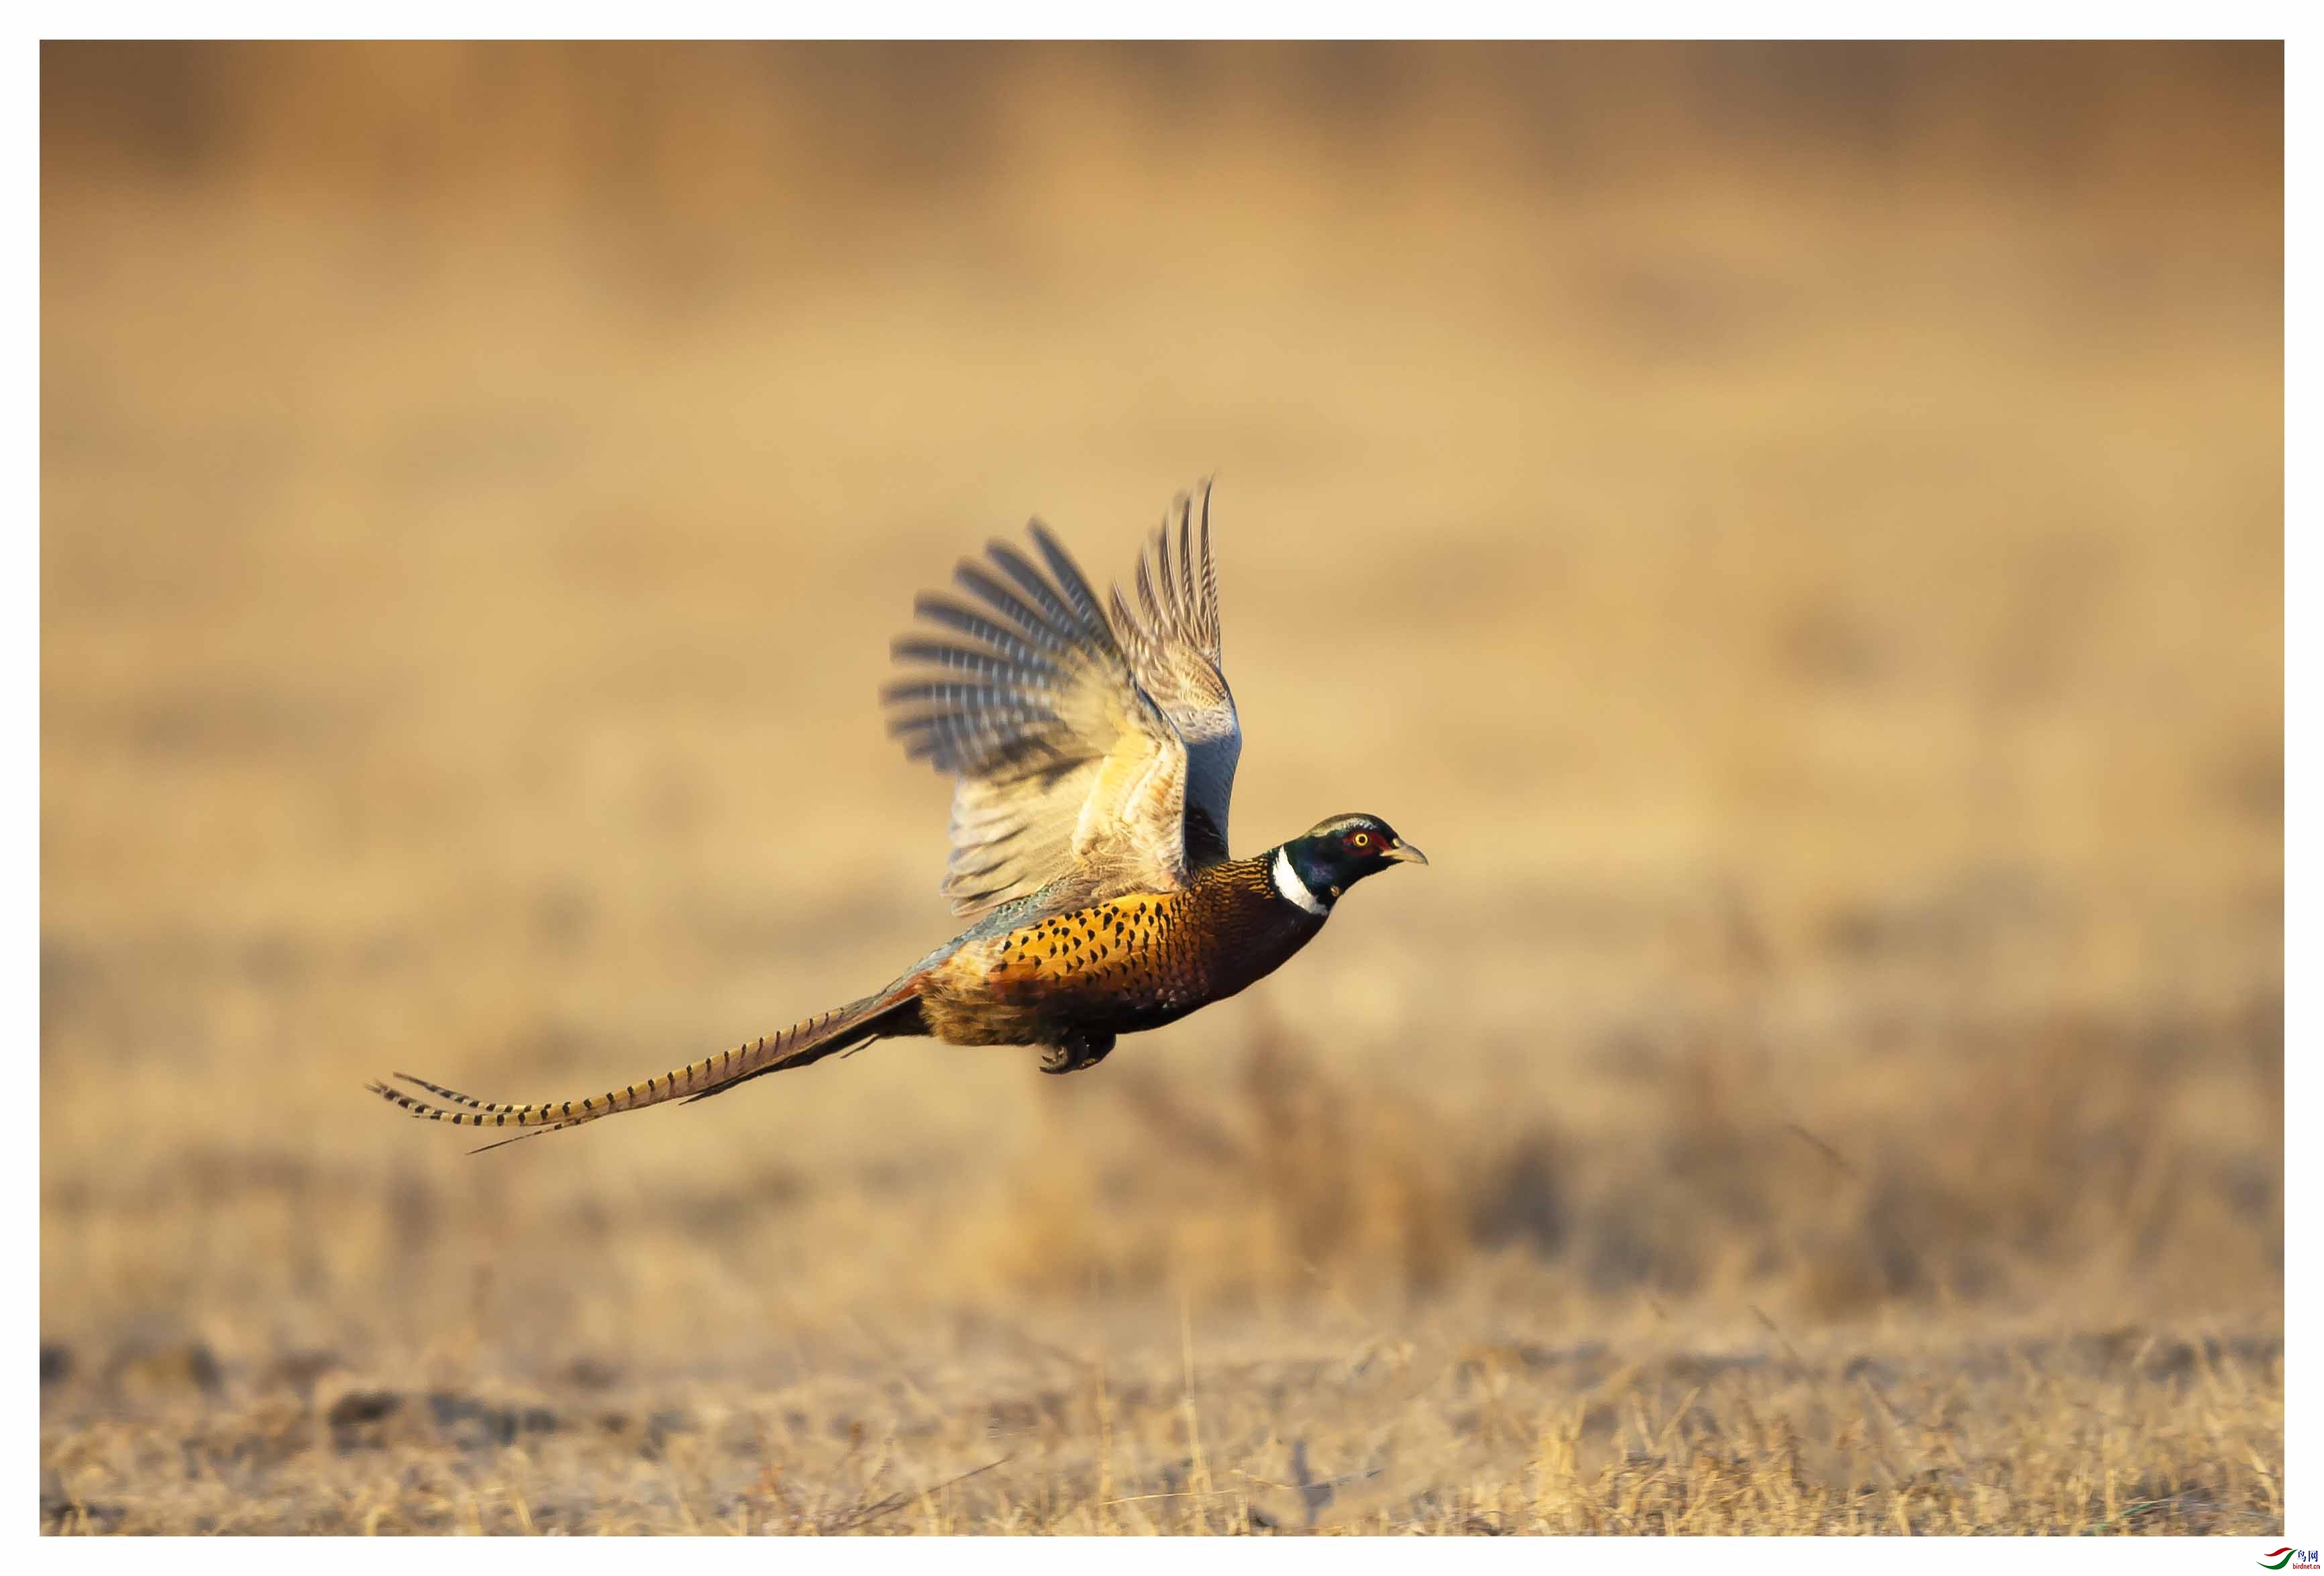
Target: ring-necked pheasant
(1094, 749)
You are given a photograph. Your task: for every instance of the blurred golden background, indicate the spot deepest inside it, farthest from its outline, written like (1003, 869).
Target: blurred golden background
(1795, 531)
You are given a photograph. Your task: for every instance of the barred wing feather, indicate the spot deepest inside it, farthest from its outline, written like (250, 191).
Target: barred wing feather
(1171, 636)
(1019, 688)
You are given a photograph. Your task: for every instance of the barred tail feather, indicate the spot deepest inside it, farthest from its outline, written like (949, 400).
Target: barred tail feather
(892, 1012)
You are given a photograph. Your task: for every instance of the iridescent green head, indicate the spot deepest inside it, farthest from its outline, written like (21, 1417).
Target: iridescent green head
(1313, 870)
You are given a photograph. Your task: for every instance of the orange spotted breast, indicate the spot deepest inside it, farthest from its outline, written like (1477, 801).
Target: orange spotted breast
(1131, 962)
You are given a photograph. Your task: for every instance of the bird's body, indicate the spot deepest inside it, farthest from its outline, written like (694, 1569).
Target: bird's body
(1094, 750)
(1131, 962)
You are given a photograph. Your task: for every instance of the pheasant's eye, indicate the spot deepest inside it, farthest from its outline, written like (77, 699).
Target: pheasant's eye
(1361, 840)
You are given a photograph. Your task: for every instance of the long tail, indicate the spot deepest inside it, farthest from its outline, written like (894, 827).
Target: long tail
(895, 1011)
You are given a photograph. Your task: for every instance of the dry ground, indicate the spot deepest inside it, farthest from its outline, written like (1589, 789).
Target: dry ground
(1326, 1423)
(1796, 535)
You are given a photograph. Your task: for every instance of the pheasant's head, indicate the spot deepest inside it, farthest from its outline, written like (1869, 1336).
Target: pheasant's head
(1314, 869)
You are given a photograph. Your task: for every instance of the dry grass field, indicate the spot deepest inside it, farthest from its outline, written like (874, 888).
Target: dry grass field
(1795, 533)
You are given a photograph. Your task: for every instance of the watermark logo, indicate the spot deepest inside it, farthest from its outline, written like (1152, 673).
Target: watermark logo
(2287, 1559)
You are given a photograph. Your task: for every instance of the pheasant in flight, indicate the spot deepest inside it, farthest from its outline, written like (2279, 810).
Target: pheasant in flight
(1093, 749)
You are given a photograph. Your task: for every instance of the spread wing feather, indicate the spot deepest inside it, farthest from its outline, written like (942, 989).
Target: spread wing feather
(1066, 765)
(1171, 638)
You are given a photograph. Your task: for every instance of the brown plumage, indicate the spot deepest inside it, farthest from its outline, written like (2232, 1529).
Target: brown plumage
(1131, 962)
(1094, 747)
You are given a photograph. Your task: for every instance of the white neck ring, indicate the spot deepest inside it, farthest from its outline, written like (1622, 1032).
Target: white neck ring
(1287, 883)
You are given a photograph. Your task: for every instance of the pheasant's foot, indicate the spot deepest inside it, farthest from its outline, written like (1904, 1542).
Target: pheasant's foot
(1076, 1053)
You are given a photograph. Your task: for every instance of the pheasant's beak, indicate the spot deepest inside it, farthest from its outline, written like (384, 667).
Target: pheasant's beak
(1404, 853)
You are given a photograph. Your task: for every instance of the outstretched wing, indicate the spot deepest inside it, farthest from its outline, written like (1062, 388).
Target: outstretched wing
(1021, 690)
(1171, 638)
